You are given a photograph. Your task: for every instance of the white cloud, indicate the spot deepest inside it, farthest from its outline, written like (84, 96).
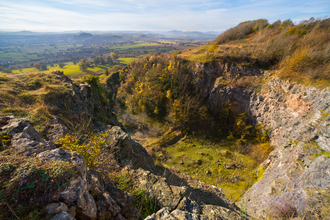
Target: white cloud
(147, 14)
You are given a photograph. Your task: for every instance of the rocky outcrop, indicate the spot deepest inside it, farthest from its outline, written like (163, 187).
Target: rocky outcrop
(175, 201)
(296, 177)
(80, 103)
(128, 151)
(24, 137)
(88, 196)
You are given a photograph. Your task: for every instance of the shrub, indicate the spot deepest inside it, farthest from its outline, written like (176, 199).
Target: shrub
(94, 82)
(242, 30)
(91, 147)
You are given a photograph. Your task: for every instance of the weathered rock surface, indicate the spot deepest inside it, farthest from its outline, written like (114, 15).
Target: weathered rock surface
(25, 138)
(296, 179)
(60, 154)
(128, 151)
(55, 208)
(55, 131)
(63, 216)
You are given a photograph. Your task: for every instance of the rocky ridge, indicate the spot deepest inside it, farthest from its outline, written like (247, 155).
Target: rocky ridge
(90, 196)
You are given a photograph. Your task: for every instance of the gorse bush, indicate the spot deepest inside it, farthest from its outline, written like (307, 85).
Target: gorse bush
(91, 147)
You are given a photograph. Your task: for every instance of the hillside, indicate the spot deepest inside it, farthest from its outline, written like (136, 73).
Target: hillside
(235, 129)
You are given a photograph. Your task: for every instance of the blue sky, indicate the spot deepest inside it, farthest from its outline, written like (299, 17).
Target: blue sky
(150, 15)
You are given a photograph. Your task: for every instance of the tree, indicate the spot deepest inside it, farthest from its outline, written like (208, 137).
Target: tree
(61, 65)
(83, 65)
(106, 72)
(37, 66)
(114, 56)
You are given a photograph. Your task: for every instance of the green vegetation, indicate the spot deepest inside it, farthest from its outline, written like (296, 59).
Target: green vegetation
(142, 202)
(70, 69)
(90, 149)
(301, 51)
(29, 184)
(126, 60)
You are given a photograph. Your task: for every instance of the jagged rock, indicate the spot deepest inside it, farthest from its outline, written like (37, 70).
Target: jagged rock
(182, 215)
(164, 194)
(293, 176)
(86, 207)
(218, 212)
(107, 207)
(63, 216)
(119, 217)
(65, 155)
(190, 206)
(56, 131)
(128, 151)
(94, 185)
(25, 139)
(55, 208)
(72, 211)
(62, 77)
(124, 200)
(162, 214)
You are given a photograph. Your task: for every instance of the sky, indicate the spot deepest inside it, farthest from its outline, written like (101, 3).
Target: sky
(150, 15)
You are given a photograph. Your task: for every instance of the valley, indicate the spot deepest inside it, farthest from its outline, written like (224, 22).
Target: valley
(237, 128)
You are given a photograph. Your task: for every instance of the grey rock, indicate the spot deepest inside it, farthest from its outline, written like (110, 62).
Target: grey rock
(63, 216)
(55, 208)
(94, 185)
(86, 207)
(65, 155)
(25, 139)
(107, 207)
(128, 152)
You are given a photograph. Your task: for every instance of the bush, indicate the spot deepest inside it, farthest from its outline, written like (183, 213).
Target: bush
(91, 147)
(241, 30)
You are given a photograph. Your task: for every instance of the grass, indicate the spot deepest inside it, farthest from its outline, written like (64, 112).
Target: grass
(25, 95)
(69, 69)
(28, 184)
(126, 60)
(213, 164)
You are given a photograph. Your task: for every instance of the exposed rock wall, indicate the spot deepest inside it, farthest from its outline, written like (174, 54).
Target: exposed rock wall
(297, 178)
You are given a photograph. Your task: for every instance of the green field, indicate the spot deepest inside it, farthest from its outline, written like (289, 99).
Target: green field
(69, 69)
(126, 60)
(127, 46)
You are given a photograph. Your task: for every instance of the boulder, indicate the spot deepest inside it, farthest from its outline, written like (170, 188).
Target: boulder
(60, 154)
(63, 216)
(55, 208)
(128, 152)
(107, 207)
(25, 138)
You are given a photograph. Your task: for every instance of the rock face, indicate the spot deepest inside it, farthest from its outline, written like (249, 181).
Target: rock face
(296, 178)
(81, 104)
(88, 195)
(25, 139)
(128, 151)
(176, 202)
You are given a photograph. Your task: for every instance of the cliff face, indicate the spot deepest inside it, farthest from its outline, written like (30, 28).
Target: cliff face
(297, 179)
